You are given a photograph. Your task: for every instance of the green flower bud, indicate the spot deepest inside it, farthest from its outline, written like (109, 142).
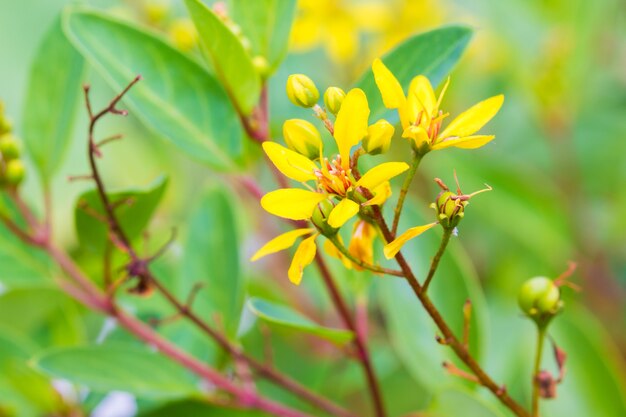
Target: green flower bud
(5, 125)
(14, 172)
(450, 209)
(302, 91)
(320, 217)
(261, 65)
(9, 148)
(378, 137)
(302, 137)
(540, 299)
(333, 97)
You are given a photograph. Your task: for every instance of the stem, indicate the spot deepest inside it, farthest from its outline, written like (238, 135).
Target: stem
(417, 158)
(447, 232)
(450, 339)
(541, 333)
(374, 268)
(359, 342)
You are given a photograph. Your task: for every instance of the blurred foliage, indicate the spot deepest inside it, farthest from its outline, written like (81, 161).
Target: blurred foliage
(557, 167)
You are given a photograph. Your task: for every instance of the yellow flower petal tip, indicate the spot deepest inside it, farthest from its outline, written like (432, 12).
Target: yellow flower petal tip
(381, 173)
(388, 85)
(280, 242)
(351, 124)
(392, 248)
(342, 212)
(290, 163)
(292, 203)
(303, 257)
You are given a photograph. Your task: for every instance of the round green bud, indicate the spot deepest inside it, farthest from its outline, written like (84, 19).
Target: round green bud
(450, 210)
(378, 137)
(302, 137)
(5, 125)
(320, 218)
(333, 98)
(540, 299)
(302, 91)
(14, 172)
(9, 147)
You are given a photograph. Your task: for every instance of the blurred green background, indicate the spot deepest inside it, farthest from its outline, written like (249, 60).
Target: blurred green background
(557, 167)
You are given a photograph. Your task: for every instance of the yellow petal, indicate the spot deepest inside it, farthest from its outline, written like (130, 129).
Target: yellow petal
(304, 256)
(362, 242)
(417, 134)
(390, 88)
(351, 123)
(381, 194)
(292, 203)
(332, 250)
(421, 99)
(468, 142)
(342, 212)
(394, 247)
(290, 163)
(472, 119)
(381, 173)
(280, 242)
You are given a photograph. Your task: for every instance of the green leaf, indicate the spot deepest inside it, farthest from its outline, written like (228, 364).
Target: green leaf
(177, 98)
(20, 266)
(266, 23)
(134, 208)
(284, 316)
(432, 54)
(200, 409)
(54, 88)
(230, 60)
(107, 368)
(212, 259)
(456, 402)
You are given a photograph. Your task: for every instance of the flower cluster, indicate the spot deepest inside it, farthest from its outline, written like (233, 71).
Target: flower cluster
(12, 169)
(334, 190)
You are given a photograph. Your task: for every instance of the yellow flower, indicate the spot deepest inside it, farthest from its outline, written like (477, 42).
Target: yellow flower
(392, 248)
(362, 242)
(422, 118)
(331, 188)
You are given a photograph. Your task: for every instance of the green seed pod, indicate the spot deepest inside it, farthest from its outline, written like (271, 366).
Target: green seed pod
(333, 98)
(540, 299)
(14, 172)
(302, 137)
(450, 209)
(9, 147)
(320, 218)
(302, 91)
(378, 137)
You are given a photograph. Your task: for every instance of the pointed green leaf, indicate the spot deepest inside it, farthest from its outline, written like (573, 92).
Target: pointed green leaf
(134, 208)
(223, 49)
(284, 316)
(177, 98)
(432, 54)
(54, 88)
(105, 368)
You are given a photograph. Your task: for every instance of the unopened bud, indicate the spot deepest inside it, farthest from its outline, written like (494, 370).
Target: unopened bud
(378, 137)
(261, 65)
(320, 218)
(14, 172)
(333, 97)
(302, 91)
(540, 299)
(302, 137)
(450, 209)
(183, 33)
(9, 148)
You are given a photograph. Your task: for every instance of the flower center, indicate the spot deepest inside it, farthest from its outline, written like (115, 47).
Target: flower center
(333, 178)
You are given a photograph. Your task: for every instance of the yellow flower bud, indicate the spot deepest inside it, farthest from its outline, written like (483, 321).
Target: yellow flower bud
(302, 91)
(378, 137)
(14, 172)
(333, 97)
(302, 137)
(261, 65)
(9, 148)
(183, 33)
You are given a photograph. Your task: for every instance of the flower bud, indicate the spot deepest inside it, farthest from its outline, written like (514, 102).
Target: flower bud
(450, 209)
(5, 125)
(302, 91)
(302, 137)
(9, 148)
(261, 65)
(14, 172)
(540, 299)
(320, 218)
(378, 137)
(183, 34)
(333, 97)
